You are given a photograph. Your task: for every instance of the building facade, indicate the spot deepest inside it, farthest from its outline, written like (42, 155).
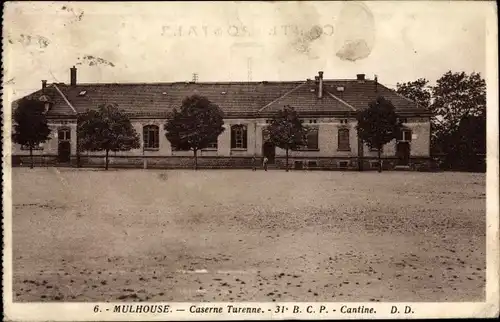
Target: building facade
(328, 107)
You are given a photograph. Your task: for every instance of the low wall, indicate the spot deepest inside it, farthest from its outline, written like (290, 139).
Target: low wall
(38, 160)
(235, 162)
(170, 162)
(352, 163)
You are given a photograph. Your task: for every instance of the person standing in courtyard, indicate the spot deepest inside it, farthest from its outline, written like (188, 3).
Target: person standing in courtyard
(254, 163)
(264, 163)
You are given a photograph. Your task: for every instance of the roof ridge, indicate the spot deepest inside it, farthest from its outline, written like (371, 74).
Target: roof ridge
(347, 80)
(214, 82)
(187, 83)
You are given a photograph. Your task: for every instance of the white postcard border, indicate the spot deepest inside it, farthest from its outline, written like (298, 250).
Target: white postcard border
(87, 311)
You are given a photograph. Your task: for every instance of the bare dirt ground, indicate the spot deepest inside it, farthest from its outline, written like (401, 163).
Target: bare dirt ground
(238, 235)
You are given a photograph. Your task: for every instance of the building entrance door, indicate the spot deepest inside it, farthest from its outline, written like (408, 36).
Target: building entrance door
(64, 151)
(269, 151)
(64, 145)
(403, 153)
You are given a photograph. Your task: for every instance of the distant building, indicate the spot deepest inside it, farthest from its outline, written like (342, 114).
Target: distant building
(328, 106)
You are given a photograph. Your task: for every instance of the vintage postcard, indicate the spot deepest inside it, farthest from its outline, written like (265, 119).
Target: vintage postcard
(250, 160)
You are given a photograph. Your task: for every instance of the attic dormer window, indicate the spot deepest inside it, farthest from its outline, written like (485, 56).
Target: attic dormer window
(82, 93)
(340, 89)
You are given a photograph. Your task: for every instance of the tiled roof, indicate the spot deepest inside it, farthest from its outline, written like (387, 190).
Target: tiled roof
(59, 105)
(304, 98)
(360, 93)
(157, 99)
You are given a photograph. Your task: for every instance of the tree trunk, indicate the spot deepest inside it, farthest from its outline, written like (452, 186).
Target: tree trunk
(379, 161)
(286, 160)
(31, 157)
(107, 161)
(77, 152)
(195, 159)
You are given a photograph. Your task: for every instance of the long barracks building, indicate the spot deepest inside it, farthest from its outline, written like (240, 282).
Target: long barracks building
(327, 106)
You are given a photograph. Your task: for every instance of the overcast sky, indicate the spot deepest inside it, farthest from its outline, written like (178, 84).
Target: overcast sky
(163, 42)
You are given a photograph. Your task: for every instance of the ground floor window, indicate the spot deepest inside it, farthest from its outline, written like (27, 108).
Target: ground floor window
(343, 140)
(311, 139)
(151, 137)
(238, 137)
(405, 135)
(64, 134)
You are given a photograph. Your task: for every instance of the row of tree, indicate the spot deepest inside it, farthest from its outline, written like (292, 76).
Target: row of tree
(458, 126)
(198, 123)
(458, 104)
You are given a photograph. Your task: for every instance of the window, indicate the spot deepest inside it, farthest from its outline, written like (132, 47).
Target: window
(238, 137)
(312, 164)
(265, 134)
(343, 121)
(403, 119)
(298, 165)
(312, 139)
(64, 134)
(313, 121)
(151, 137)
(404, 135)
(343, 164)
(343, 140)
(374, 164)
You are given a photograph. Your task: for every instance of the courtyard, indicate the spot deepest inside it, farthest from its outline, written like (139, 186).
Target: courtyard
(238, 235)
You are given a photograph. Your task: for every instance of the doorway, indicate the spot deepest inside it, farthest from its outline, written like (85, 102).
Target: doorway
(64, 152)
(403, 153)
(269, 151)
(64, 145)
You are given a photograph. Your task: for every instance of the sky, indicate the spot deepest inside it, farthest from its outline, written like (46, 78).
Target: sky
(226, 41)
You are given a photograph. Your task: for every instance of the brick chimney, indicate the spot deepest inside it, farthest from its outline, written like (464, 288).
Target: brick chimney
(44, 85)
(73, 76)
(360, 77)
(320, 84)
(376, 83)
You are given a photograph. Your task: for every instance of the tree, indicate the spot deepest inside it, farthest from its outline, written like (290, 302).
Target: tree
(286, 131)
(378, 125)
(106, 129)
(418, 91)
(458, 104)
(456, 97)
(466, 147)
(198, 123)
(30, 128)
